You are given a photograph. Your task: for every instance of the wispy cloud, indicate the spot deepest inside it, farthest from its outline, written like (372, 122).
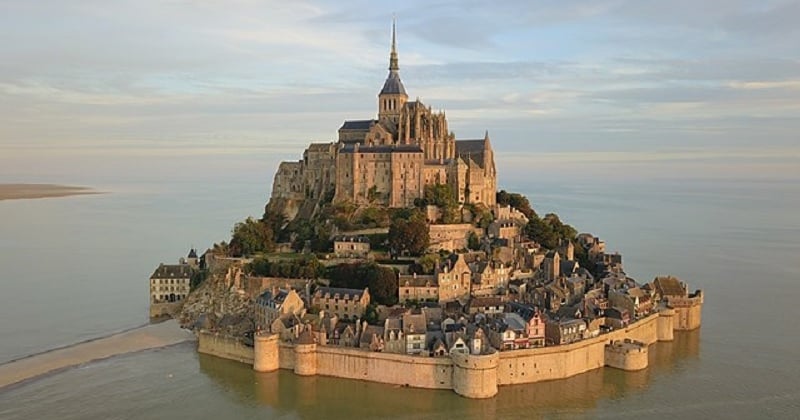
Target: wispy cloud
(545, 75)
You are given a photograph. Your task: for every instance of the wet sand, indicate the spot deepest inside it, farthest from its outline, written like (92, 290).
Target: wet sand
(147, 337)
(27, 191)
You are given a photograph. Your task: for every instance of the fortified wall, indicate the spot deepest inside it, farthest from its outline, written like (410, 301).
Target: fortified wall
(471, 376)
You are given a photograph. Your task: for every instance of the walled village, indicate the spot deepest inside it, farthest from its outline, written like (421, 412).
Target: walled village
(389, 255)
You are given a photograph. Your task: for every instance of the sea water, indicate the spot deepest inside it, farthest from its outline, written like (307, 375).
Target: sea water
(76, 268)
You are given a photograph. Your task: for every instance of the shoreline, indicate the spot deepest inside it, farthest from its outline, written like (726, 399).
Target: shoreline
(22, 191)
(147, 337)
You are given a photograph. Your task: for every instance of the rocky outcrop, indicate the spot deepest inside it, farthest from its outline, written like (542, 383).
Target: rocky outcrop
(214, 307)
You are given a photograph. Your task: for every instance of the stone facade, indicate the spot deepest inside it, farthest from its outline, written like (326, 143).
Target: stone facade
(451, 237)
(419, 288)
(170, 284)
(388, 161)
(351, 246)
(344, 303)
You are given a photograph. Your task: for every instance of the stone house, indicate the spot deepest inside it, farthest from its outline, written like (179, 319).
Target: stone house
(343, 335)
(438, 348)
(419, 288)
(490, 305)
(564, 331)
(414, 330)
(512, 332)
(551, 266)
(566, 249)
(489, 275)
(371, 338)
(534, 322)
(276, 303)
(454, 278)
(347, 304)
(617, 317)
(170, 283)
(346, 246)
(509, 230)
(288, 328)
(393, 335)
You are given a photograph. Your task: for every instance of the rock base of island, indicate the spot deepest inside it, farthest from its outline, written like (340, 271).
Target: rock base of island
(471, 376)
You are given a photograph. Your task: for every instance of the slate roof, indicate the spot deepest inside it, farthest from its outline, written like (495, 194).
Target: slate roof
(514, 321)
(568, 266)
(418, 281)
(414, 324)
(354, 294)
(267, 297)
(172, 271)
(393, 85)
(358, 124)
(397, 148)
(669, 286)
(471, 150)
(483, 302)
(351, 238)
(525, 311)
(366, 336)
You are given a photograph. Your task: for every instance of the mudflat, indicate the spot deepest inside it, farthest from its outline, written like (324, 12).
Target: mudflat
(27, 191)
(143, 338)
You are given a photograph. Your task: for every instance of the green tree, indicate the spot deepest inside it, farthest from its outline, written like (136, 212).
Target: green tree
(382, 282)
(409, 235)
(250, 237)
(517, 201)
(427, 263)
(473, 242)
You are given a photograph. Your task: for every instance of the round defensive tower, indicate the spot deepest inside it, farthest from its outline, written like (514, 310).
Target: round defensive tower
(626, 354)
(475, 376)
(265, 352)
(305, 355)
(665, 325)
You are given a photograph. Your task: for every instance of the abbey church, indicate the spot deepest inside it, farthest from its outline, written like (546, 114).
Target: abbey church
(388, 161)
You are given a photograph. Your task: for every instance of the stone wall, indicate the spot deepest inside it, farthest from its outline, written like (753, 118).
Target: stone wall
(165, 309)
(468, 375)
(397, 369)
(225, 347)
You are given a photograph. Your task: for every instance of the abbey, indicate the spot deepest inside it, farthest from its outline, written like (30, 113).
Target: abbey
(388, 161)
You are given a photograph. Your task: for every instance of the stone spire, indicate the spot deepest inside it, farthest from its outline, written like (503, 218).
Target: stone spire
(393, 65)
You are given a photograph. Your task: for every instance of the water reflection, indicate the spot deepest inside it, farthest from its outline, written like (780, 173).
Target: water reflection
(283, 393)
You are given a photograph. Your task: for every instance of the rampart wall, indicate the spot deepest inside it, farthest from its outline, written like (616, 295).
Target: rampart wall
(223, 346)
(468, 375)
(165, 309)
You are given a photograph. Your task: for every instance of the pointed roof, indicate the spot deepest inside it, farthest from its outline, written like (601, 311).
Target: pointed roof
(393, 85)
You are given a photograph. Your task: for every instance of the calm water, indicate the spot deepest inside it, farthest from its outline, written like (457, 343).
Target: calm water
(76, 268)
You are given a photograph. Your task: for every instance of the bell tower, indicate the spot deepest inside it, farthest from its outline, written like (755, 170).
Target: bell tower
(393, 96)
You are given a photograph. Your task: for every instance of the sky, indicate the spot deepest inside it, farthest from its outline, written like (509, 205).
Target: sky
(560, 82)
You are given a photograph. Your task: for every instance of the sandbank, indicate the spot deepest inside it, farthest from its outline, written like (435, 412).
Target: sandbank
(27, 191)
(147, 337)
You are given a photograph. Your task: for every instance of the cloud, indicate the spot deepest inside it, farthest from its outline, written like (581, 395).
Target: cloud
(588, 75)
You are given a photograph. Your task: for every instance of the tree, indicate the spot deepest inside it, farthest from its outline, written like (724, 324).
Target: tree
(541, 232)
(382, 282)
(473, 242)
(517, 201)
(549, 230)
(428, 262)
(250, 237)
(409, 235)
